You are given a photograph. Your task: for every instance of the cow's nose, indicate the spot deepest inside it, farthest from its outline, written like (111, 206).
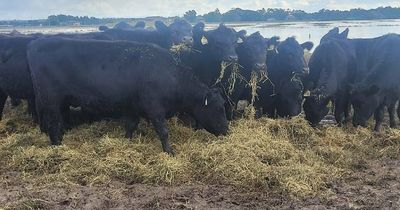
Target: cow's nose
(187, 40)
(233, 58)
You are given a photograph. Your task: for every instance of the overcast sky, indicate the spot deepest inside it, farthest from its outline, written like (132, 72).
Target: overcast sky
(35, 9)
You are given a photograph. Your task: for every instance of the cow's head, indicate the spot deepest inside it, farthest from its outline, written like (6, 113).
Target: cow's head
(180, 31)
(210, 113)
(221, 43)
(365, 100)
(290, 55)
(315, 109)
(252, 52)
(334, 34)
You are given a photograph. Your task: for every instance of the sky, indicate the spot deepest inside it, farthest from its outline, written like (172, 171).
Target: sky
(38, 9)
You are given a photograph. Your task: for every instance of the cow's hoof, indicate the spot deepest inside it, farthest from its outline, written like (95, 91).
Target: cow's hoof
(56, 144)
(129, 136)
(170, 151)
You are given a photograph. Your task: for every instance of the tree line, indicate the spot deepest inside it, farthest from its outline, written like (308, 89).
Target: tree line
(238, 15)
(233, 15)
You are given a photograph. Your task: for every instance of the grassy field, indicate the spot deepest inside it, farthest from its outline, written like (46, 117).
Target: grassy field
(278, 157)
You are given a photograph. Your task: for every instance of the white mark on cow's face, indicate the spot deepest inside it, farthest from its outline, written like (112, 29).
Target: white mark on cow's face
(206, 102)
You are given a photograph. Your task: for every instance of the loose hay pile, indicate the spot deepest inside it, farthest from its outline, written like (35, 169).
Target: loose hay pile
(271, 155)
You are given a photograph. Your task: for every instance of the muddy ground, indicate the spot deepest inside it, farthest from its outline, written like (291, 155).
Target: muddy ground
(373, 186)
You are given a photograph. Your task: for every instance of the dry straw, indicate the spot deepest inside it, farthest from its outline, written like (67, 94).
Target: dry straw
(281, 156)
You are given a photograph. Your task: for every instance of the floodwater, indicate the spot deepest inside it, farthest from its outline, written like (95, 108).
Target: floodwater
(314, 30)
(303, 31)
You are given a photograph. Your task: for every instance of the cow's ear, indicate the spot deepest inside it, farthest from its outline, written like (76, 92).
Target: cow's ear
(273, 42)
(372, 90)
(103, 28)
(333, 32)
(242, 34)
(344, 34)
(307, 46)
(140, 24)
(160, 26)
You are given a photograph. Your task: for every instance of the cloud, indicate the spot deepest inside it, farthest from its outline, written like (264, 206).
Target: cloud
(33, 9)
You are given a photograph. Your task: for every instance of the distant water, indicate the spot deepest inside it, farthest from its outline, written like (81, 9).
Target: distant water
(314, 30)
(303, 31)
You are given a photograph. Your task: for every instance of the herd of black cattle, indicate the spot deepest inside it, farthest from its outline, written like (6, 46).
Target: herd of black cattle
(130, 71)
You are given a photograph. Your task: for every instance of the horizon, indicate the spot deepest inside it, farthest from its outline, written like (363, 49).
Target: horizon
(41, 9)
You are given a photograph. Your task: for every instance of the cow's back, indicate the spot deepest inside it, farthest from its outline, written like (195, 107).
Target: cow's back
(99, 70)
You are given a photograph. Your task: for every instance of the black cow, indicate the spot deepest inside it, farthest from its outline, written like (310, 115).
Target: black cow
(125, 26)
(332, 69)
(283, 92)
(337, 64)
(380, 86)
(14, 72)
(15, 79)
(251, 53)
(180, 31)
(141, 80)
(210, 50)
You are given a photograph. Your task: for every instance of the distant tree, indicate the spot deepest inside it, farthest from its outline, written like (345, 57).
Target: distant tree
(53, 20)
(190, 16)
(238, 14)
(215, 16)
(235, 14)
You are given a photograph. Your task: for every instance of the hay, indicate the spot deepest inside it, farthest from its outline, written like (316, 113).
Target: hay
(228, 81)
(278, 156)
(179, 50)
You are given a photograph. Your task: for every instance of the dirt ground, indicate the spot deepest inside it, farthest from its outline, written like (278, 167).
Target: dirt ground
(372, 186)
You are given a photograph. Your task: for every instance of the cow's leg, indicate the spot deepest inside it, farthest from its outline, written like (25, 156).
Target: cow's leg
(55, 126)
(131, 125)
(392, 116)
(155, 112)
(32, 110)
(66, 115)
(162, 131)
(398, 111)
(347, 117)
(229, 110)
(270, 108)
(340, 107)
(3, 99)
(379, 115)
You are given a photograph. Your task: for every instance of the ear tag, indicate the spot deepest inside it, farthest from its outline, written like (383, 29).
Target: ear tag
(204, 40)
(307, 94)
